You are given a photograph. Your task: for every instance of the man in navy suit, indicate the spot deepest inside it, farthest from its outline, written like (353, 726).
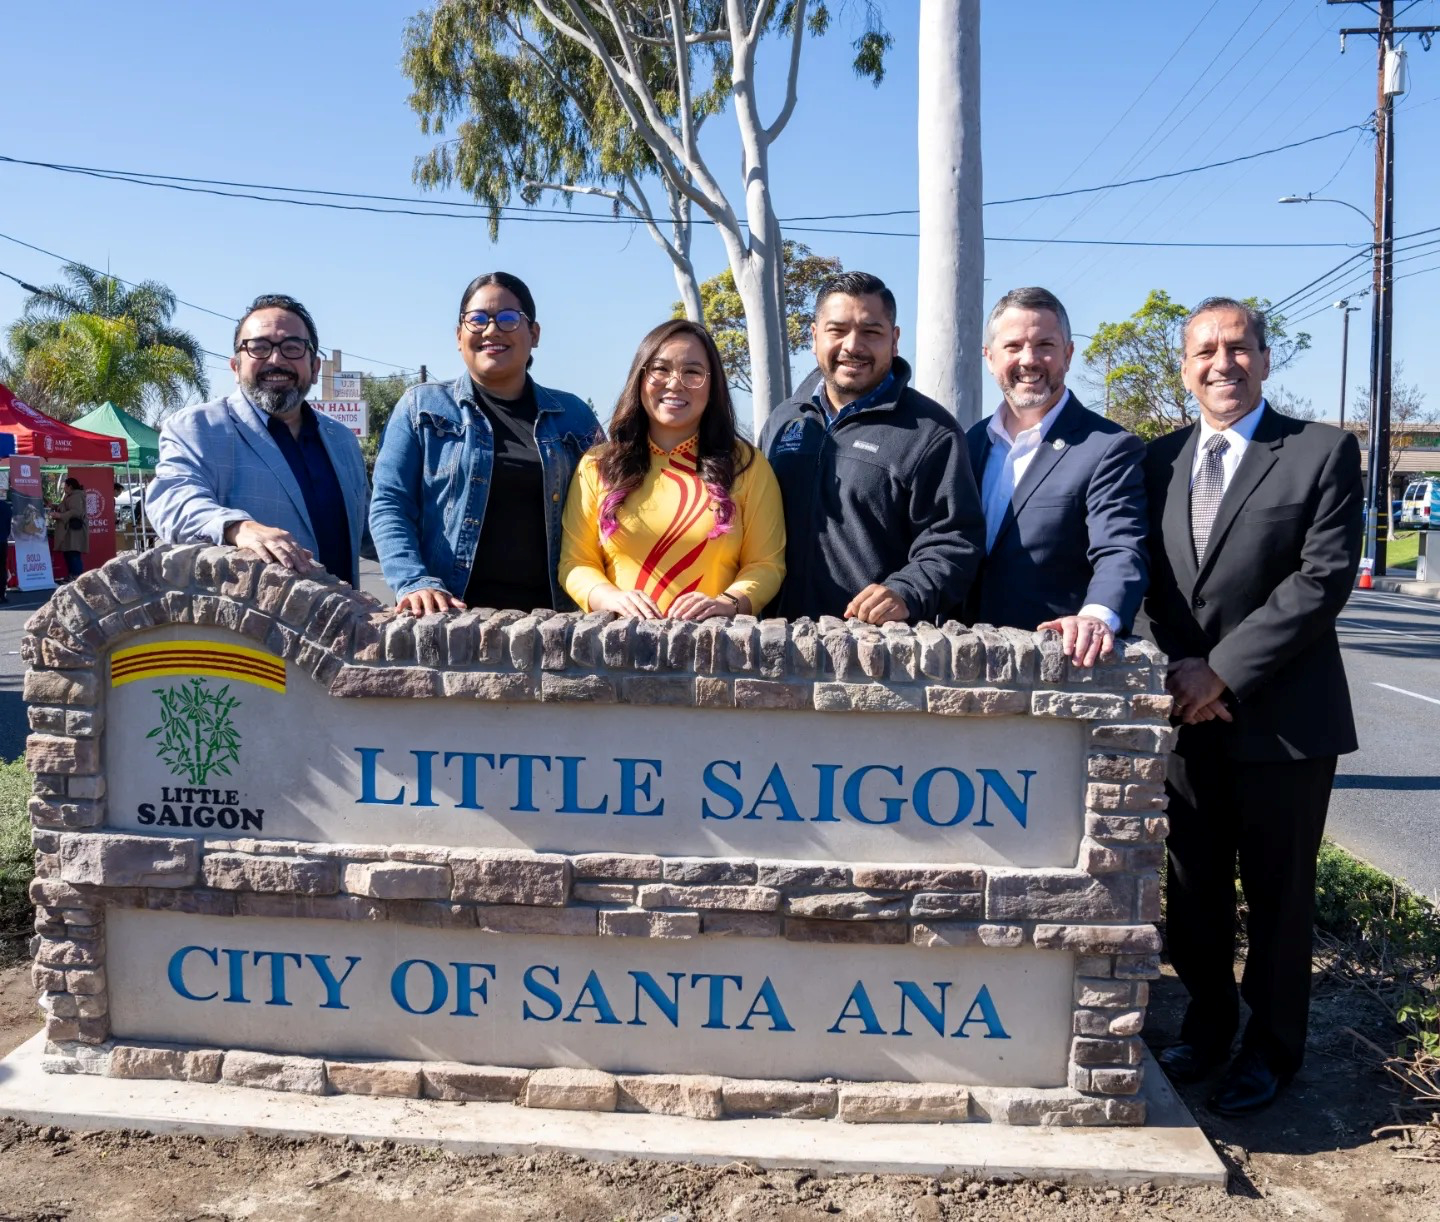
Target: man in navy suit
(1062, 489)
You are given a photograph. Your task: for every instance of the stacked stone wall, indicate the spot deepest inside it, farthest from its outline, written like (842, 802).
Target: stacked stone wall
(1101, 909)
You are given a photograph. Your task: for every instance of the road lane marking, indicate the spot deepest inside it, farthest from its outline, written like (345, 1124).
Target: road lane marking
(1382, 597)
(1391, 688)
(1353, 625)
(1373, 627)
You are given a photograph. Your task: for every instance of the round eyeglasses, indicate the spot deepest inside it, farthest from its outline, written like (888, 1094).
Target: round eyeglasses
(663, 375)
(292, 348)
(506, 320)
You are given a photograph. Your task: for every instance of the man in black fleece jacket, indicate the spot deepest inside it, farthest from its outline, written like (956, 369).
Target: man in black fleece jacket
(882, 516)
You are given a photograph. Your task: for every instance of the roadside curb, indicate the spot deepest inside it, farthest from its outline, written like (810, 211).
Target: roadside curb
(1415, 589)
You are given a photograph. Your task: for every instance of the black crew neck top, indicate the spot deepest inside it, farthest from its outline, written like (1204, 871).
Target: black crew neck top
(512, 558)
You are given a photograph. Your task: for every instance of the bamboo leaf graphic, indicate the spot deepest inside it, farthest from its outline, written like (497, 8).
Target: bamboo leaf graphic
(198, 737)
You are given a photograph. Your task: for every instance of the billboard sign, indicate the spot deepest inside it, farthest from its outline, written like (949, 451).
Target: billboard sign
(354, 414)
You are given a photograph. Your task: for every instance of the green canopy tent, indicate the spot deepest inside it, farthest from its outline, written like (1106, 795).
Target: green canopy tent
(143, 442)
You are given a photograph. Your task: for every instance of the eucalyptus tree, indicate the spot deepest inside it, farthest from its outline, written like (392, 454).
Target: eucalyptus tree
(1136, 363)
(723, 313)
(950, 289)
(601, 97)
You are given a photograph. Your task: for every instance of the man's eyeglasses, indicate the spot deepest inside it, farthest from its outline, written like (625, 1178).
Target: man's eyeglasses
(690, 379)
(292, 348)
(506, 320)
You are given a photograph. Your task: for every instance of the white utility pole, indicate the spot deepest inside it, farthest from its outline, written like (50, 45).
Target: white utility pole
(950, 305)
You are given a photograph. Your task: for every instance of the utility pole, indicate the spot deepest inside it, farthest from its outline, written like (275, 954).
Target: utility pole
(1390, 82)
(1347, 310)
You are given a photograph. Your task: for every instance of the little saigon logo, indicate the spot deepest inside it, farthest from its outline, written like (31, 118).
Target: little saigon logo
(197, 737)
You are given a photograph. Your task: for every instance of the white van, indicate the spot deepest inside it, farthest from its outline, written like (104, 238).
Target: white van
(1420, 506)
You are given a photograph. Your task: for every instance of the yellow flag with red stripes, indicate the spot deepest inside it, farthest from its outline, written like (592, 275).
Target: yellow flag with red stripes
(197, 658)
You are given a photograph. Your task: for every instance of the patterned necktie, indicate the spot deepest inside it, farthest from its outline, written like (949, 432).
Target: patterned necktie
(1205, 493)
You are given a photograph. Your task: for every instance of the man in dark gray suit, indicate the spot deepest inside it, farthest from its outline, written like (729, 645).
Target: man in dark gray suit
(1255, 538)
(1062, 490)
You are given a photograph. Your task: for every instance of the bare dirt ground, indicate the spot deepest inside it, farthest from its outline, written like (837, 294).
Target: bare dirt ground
(1310, 1157)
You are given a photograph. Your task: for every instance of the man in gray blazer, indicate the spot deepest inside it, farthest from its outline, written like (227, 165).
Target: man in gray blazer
(261, 469)
(1062, 489)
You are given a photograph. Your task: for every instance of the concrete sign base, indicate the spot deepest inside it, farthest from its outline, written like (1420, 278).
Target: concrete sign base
(1169, 1149)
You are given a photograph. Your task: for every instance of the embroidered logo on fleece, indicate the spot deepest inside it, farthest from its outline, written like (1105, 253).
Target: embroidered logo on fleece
(790, 439)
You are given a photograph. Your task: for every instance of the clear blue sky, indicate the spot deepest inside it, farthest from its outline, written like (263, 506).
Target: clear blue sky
(1073, 95)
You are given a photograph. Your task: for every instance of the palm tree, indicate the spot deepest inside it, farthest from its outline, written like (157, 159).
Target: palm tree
(86, 360)
(85, 291)
(24, 388)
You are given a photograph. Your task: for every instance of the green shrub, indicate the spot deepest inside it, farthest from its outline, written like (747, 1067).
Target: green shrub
(17, 858)
(1391, 935)
(1369, 910)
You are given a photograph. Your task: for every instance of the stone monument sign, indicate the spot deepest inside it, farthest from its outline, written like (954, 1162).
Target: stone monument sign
(285, 838)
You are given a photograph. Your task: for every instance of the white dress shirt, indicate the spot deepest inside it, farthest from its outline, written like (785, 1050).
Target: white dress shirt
(1005, 467)
(1238, 435)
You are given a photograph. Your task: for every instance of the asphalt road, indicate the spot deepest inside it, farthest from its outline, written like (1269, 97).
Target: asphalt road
(16, 609)
(1386, 807)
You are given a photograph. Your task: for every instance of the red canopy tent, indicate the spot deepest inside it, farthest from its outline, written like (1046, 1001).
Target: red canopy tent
(52, 442)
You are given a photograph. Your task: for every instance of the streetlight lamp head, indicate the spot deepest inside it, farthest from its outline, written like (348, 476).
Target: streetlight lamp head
(1324, 199)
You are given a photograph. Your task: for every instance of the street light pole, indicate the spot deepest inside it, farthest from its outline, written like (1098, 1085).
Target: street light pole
(1373, 224)
(1346, 310)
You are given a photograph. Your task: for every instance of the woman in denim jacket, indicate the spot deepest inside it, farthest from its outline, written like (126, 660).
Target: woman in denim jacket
(471, 477)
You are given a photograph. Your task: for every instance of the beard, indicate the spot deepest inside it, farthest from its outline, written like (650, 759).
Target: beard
(1024, 396)
(276, 398)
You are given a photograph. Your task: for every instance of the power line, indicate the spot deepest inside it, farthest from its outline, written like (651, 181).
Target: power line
(1214, 165)
(42, 292)
(892, 233)
(1143, 149)
(1323, 285)
(1114, 127)
(1203, 203)
(1304, 288)
(1329, 305)
(1356, 278)
(1355, 282)
(210, 186)
(1155, 202)
(219, 359)
(1420, 271)
(179, 300)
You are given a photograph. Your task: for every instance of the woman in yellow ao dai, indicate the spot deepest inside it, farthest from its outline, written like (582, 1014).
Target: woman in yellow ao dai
(675, 516)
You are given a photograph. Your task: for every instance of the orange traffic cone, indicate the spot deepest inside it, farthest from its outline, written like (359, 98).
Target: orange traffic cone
(1367, 566)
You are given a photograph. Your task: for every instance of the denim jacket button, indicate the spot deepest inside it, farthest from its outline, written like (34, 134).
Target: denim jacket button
(554, 496)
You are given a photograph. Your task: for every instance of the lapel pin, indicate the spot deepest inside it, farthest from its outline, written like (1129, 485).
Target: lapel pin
(1057, 444)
